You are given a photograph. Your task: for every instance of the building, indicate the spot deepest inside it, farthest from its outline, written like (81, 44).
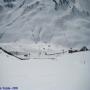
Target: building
(84, 48)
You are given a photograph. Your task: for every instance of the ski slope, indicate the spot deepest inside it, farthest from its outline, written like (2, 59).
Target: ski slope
(65, 72)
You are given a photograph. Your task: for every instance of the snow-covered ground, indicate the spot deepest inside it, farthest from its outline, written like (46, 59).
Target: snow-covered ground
(65, 72)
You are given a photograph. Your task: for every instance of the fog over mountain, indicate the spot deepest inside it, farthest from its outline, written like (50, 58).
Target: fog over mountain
(61, 22)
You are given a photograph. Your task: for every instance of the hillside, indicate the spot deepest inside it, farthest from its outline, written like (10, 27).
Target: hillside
(65, 23)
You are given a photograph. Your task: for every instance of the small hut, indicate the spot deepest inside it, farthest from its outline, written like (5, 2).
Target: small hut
(84, 48)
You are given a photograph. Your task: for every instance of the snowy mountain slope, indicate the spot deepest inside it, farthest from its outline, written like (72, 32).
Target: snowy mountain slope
(66, 72)
(38, 21)
(45, 30)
